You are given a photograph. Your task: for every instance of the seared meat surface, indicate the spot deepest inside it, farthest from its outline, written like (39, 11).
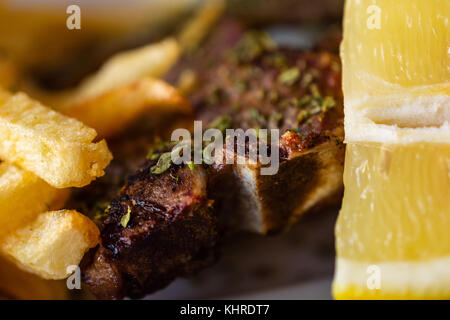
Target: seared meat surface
(158, 228)
(257, 85)
(161, 226)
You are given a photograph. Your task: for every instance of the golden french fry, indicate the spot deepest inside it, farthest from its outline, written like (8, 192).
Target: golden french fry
(197, 28)
(52, 242)
(111, 112)
(23, 196)
(153, 60)
(18, 284)
(54, 147)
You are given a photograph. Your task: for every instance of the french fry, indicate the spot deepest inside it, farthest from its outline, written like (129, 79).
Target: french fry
(52, 242)
(153, 60)
(18, 284)
(54, 147)
(59, 149)
(23, 196)
(198, 27)
(111, 112)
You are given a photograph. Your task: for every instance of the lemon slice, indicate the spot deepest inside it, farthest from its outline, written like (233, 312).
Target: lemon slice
(395, 48)
(392, 237)
(395, 220)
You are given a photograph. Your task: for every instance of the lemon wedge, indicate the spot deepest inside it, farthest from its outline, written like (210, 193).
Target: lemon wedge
(392, 234)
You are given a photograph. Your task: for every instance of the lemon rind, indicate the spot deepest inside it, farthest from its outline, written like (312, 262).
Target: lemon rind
(398, 280)
(366, 130)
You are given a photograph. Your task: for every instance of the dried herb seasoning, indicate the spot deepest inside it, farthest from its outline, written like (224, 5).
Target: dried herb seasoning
(289, 76)
(221, 122)
(126, 218)
(163, 163)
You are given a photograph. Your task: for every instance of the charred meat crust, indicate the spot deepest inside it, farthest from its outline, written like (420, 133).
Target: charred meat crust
(172, 229)
(268, 204)
(257, 85)
(283, 88)
(284, 195)
(171, 232)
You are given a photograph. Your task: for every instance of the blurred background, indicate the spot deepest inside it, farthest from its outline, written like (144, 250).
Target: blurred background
(33, 34)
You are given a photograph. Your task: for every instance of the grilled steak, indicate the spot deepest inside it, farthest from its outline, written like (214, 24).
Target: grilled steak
(164, 225)
(159, 227)
(257, 85)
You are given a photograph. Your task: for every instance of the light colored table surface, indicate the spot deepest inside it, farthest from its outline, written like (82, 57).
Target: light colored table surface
(295, 265)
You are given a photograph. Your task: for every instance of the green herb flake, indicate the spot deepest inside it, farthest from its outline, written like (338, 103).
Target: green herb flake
(277, 60)
(328, 102)
(176, 178)
(257, 116)
(275, 119)
(251, 46)
(191, 165)
(305, 100)
(315, 109)
(315, 91)
(254, 113)
(309, 77)
(126, 218)
(221, 123)
(163, 163)
(152, 155)
(295, 102)
(302, 116)
(158, 148)
(290, 76)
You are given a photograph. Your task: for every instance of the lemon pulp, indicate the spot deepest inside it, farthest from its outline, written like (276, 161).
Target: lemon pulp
(395, 47)
(396, 217)
(397, 204)
(392, 237)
